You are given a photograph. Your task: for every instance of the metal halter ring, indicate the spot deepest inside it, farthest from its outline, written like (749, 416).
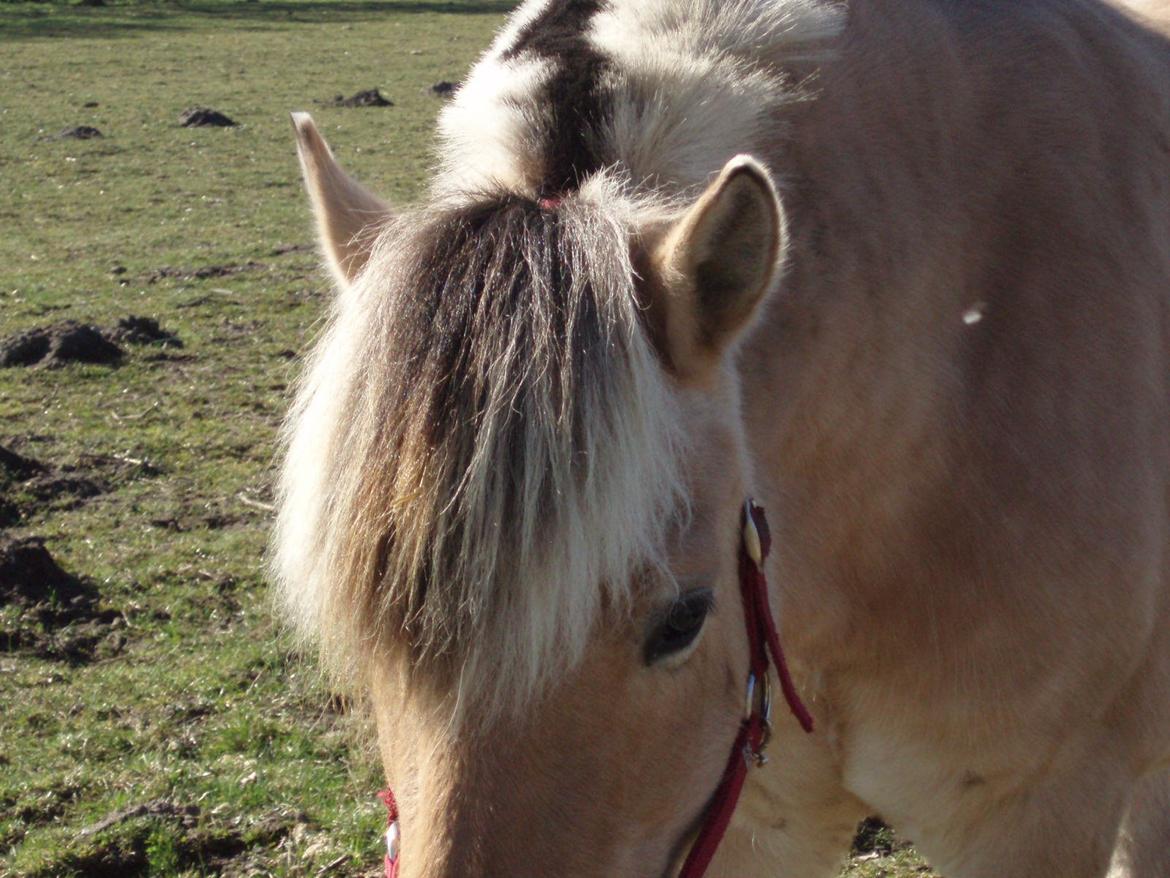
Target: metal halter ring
(765, 713)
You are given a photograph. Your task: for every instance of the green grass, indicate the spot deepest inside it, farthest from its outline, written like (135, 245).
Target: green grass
(188, 739)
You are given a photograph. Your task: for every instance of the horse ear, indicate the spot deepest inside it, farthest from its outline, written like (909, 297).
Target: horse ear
(713, 266)
(348, 215)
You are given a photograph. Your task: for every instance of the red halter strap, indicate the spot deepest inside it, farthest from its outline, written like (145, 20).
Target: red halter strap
(763, 650)
(756, 729)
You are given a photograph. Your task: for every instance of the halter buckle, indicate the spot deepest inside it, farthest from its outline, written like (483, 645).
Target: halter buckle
(392, 841)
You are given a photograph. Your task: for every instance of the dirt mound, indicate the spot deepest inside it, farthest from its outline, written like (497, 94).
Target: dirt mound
(71, 342)
(14, 468)
(29, 487)
(9, 513)
(63, 491)
(198, 117)
(57, 615)
(143, 330)
(369, 98)
(80, 132)
(17, 466)
(30, 575)
(56, 345)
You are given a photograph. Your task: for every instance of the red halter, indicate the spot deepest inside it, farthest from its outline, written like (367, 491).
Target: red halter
(756, 728)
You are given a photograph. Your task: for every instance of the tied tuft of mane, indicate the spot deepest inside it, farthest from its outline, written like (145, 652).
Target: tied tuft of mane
(500, 448)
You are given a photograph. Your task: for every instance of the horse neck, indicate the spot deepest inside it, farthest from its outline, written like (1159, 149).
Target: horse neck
(928, 234)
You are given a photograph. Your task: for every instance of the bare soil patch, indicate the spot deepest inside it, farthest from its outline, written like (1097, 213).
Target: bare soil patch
(59, 344)
(14, 468)
(29, 575)
(368, 98)
(143, 331)
(31, 487)
(49, 612)
(80, 132)
(62, 491)
(204, 117)
(17, 466)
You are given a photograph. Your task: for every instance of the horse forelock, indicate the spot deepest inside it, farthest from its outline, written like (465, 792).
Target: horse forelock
(484, 451)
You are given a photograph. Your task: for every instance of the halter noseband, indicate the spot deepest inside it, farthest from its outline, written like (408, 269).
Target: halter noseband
(763, 652)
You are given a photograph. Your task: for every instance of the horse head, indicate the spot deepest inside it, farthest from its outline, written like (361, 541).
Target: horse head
(511, 505)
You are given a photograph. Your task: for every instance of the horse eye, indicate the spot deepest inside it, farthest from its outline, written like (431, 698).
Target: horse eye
(680, 625)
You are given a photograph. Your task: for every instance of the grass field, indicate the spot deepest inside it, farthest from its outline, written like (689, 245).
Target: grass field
(154, 720)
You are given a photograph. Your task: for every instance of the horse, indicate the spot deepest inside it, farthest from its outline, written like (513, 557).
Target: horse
(896, 270)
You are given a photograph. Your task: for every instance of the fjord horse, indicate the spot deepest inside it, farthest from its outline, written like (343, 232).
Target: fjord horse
(897, 269)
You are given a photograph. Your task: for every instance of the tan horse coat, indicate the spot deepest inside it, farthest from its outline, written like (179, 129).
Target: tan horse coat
(966, 436)
(955, 406)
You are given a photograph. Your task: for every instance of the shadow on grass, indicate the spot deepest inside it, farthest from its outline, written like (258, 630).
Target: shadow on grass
(32, 20)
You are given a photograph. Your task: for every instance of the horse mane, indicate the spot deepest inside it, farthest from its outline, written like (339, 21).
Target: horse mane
(667, 90)
(482, 450)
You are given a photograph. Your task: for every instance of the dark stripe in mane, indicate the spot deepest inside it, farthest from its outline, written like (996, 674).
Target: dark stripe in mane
(499, 350)
(498, 263)
(578, 107)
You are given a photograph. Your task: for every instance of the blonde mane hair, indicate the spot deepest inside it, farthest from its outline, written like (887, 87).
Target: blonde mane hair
(483, 451)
